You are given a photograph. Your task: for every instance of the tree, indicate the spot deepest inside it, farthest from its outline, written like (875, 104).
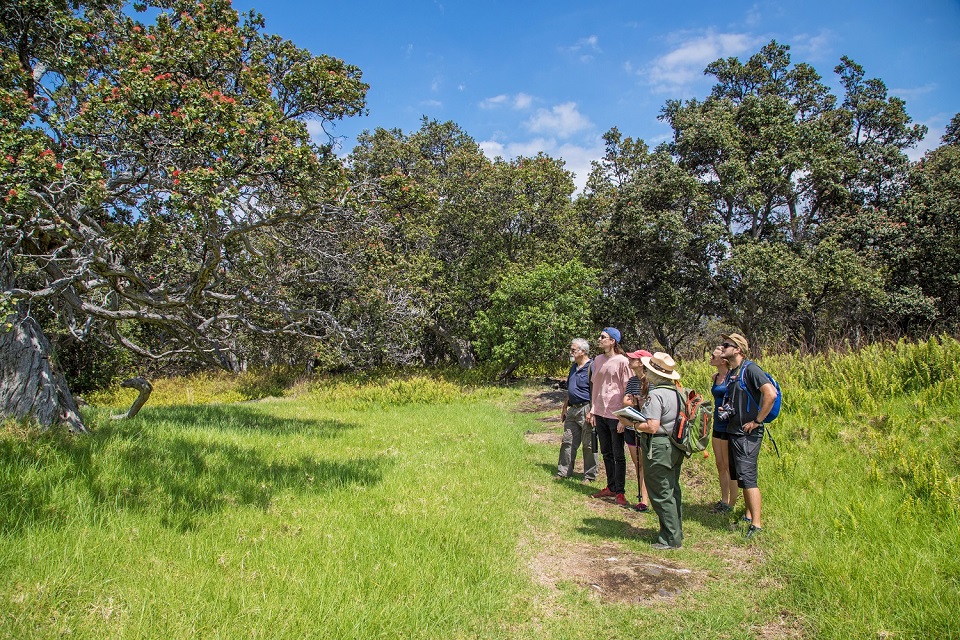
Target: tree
(796, 181)
(458, 221)
(533, 314)
(659, 243)
(924, 263)
(163, 175)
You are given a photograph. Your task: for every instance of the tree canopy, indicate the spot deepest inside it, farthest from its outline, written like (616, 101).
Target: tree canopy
(162, 194)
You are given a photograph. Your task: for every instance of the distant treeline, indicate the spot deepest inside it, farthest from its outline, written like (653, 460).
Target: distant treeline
(163, 198)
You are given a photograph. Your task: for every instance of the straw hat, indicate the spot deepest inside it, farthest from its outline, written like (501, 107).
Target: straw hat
(661, 364)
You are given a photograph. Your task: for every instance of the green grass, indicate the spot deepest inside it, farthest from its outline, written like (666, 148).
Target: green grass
(412, 506)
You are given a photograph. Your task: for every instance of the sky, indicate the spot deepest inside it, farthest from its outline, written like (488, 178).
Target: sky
(526, 76)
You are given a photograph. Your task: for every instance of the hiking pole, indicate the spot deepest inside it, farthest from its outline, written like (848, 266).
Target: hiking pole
(770, 433)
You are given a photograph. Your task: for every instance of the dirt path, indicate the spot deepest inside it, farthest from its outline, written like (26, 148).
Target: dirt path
(614, 573)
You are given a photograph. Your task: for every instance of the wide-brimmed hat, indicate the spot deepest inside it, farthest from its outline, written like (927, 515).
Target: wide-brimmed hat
(661, 364)
(738, 340)
(639, 353)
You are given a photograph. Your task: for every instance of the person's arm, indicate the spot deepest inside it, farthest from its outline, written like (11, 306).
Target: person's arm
(563, 409)
(653, 410)
(651, 426)
(768, 395)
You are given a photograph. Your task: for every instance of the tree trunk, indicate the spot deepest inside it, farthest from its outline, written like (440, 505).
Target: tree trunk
(145, 389)
(460, 347)
(30, 386)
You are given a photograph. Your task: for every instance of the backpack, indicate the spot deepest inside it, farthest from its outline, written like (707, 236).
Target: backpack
(691, 432)
(775, 409)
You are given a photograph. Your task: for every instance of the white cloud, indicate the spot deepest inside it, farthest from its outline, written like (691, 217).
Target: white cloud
(562, 120)
(577, 158)
(495, 101)
(816, 47)
(590, 43)
(519, 102)
(682, 67)
(432, 103)
(913, 92)
(936, 126)
(522, 101)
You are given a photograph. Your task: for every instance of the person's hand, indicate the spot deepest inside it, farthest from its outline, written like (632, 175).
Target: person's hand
(590, 420)
(563, 414)
(621, 427)
(750, 426)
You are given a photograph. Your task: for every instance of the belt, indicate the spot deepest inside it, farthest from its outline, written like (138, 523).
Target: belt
(658, 435)
(577, 405)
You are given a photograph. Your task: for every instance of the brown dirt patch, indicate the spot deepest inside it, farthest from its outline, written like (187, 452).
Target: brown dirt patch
(614, 574)
(544, 437)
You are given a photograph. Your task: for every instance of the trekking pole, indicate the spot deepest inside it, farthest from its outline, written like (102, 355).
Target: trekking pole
(770, 433)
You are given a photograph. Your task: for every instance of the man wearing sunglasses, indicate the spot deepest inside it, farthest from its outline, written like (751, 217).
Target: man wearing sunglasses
(611, 372)
(747, 406)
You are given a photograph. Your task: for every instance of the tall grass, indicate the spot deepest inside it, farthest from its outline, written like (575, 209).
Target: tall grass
(410, 506)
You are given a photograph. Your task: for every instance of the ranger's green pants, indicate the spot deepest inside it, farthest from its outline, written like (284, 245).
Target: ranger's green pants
(661, 472)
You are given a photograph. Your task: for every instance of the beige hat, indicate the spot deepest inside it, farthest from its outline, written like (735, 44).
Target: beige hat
(738, 340)
(661, 364)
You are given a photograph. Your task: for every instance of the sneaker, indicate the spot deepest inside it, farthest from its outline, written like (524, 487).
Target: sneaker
(642, 507)
(721, 507)
(604, 493)
(588, 480)
(752, 531)
(659, 546)
(560, 476)
(621, 500)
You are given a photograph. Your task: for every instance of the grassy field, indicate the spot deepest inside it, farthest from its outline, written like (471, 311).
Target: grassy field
(417, 507)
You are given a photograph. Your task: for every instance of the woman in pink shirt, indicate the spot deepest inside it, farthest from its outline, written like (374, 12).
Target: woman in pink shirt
(611, 371)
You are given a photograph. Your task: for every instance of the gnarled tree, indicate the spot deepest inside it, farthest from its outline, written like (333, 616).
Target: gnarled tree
(163, 173)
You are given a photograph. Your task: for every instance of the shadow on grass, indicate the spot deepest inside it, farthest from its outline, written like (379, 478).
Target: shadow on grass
(608, 529)
(243, 418)
(143, 466)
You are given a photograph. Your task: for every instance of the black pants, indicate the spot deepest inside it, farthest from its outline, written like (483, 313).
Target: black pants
(611, 448)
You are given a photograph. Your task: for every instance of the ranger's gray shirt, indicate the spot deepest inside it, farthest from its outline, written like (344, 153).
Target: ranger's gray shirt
(663, 404)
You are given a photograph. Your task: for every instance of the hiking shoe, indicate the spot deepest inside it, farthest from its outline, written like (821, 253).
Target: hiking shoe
(752, 531)
(659, 546)
(642, 507)
(621, 500)
(604, 493)
(721, 507)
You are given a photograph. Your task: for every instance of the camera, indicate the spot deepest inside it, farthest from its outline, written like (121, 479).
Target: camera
(725, 412)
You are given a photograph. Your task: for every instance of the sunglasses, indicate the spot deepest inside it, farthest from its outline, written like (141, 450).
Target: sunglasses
(726, 345)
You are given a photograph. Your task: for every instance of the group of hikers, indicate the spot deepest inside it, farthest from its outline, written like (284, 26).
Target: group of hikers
(599, 388)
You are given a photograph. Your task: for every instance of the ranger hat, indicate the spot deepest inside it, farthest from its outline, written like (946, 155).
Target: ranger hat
(661, 364)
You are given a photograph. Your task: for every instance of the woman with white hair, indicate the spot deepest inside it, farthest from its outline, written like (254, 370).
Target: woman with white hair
(661, 459)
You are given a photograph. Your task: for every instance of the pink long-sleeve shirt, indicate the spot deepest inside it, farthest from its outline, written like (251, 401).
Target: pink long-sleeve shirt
(610, 376)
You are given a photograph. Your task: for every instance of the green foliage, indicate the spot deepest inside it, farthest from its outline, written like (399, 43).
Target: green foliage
(387, 491)
(534, 314)
(456, 222)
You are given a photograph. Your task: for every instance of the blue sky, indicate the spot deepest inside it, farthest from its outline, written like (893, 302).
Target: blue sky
(528, 75)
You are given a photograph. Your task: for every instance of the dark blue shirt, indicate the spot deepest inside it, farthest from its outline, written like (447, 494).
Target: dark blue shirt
(578, 383)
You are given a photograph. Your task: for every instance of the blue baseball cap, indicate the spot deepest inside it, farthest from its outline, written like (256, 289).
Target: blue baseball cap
(613, 333)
